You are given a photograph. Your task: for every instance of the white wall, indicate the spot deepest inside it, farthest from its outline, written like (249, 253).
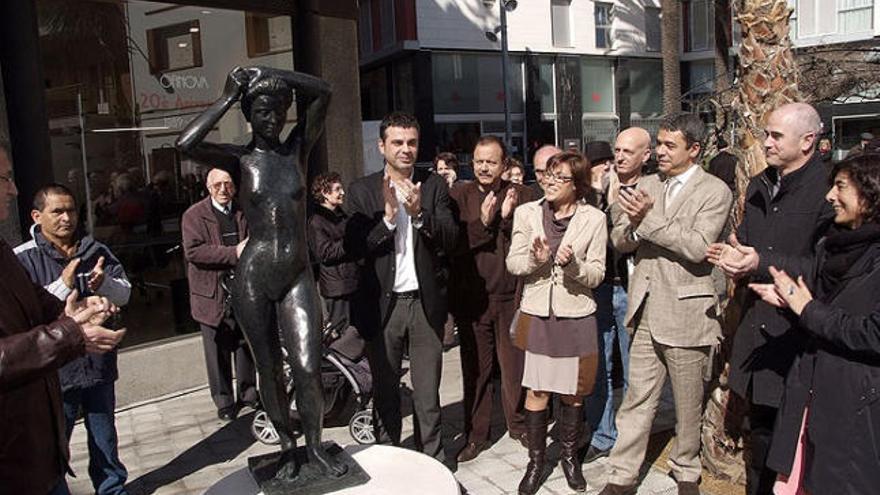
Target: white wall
(461, 24)
(818, 20)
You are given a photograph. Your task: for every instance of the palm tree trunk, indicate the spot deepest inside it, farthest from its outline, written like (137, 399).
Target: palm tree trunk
(670, 39)
(768, 78)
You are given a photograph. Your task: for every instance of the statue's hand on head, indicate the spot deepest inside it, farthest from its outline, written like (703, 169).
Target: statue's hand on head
(237, 82)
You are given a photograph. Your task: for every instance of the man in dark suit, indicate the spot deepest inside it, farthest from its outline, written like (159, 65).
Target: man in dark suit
(402, 226)
(785, 216)
(214, 234)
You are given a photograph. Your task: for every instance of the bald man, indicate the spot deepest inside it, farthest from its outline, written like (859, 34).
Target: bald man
(214, 234)
(542, 156)
(785, 216)
(632, 149)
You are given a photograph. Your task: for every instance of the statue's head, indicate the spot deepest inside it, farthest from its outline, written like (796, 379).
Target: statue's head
(265, 105)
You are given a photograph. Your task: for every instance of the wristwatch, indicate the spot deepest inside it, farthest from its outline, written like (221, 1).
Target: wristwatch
(418, 221)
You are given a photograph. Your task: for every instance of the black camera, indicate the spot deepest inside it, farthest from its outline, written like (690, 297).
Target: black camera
(81, 283)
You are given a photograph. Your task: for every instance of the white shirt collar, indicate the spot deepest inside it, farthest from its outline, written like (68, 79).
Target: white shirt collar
(222, 209)
(685, 176)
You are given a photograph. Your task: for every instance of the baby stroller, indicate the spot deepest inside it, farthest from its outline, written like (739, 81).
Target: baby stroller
(347, 383)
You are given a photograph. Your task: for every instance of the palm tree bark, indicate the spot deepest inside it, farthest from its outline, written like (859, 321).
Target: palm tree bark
(768, 78)
(670, 40)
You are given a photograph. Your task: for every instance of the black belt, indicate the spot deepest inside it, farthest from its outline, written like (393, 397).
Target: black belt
(410, 294)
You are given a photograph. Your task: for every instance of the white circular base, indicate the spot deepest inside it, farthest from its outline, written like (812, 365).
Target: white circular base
(392, 471)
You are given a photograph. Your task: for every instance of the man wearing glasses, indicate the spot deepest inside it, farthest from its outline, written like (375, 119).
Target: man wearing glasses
(214, 235)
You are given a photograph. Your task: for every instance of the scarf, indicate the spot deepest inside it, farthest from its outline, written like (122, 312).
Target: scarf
(843, 248)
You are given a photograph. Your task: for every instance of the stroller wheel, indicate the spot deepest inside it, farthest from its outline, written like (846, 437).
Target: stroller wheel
(262, 429)
(361, 427)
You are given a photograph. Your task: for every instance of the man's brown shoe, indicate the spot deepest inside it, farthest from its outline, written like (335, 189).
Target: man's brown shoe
(612, 489)
(470, 451)
(688, 488)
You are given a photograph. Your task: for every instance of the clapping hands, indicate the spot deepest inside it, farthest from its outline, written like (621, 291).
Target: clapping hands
(734, 259)
(784, 292)
(636, 204)
(540, 250)
(90, 314)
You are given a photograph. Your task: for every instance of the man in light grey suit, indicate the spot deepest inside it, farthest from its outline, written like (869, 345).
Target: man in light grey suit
(673, 313)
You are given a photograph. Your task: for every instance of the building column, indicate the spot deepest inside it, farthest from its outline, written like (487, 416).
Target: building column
(423, 87)
(569, 110)
(622, 87)
(326, 46)
(24, 90)
(10, 229)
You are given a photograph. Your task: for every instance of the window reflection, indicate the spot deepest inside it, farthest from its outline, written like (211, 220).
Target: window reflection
(122, 80)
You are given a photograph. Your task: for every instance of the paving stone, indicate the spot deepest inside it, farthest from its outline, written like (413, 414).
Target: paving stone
(482, 487)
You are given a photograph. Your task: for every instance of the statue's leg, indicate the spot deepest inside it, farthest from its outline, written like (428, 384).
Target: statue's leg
(299, 315)
(255, 313)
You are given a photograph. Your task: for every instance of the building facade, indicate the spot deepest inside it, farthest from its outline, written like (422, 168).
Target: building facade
(846, 34)
(581, 69)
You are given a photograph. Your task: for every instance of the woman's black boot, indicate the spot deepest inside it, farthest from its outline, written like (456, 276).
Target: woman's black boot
(536, 432)
(571, 428)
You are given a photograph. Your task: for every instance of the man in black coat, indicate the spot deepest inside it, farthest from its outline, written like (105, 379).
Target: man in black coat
(402, 226)
(785, 216)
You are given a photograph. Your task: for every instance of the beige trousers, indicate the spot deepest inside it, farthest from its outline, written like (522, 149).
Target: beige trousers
(649, 364)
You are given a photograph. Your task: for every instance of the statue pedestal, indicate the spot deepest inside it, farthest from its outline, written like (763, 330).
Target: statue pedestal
(391, 470)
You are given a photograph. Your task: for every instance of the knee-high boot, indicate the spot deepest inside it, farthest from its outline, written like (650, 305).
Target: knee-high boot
(536, 432)
(571, 429)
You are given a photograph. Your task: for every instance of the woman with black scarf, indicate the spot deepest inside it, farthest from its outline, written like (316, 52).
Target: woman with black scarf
(827, 435)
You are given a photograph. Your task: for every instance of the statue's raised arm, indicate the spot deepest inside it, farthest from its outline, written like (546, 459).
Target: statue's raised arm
(317, 94)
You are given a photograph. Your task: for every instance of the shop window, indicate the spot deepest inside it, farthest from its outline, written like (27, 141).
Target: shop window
(143, 70)
(175, 47)
(374, 94)
(560, 16)
(267, 34)
(700, 24)
(602, 17)
(645, 88)
(597, 86)
(404, 86)
(700, 82)
(472, 83)
(546, 89)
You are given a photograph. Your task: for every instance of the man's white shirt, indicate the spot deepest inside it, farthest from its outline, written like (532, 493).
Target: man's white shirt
(405, 278)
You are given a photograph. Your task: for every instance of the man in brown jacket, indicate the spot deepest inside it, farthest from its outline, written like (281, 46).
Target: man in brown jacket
(214, 234)
(486, 300)
(38, 334)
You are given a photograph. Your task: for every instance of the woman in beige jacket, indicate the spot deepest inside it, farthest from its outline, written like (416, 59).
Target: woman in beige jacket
(558, 248)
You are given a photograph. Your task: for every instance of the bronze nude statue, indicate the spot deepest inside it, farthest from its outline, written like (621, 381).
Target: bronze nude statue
(273, 287)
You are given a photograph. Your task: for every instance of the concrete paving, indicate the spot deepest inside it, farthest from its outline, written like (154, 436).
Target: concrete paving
(176, 445)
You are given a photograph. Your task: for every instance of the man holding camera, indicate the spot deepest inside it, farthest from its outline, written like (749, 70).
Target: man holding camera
(61, 261)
